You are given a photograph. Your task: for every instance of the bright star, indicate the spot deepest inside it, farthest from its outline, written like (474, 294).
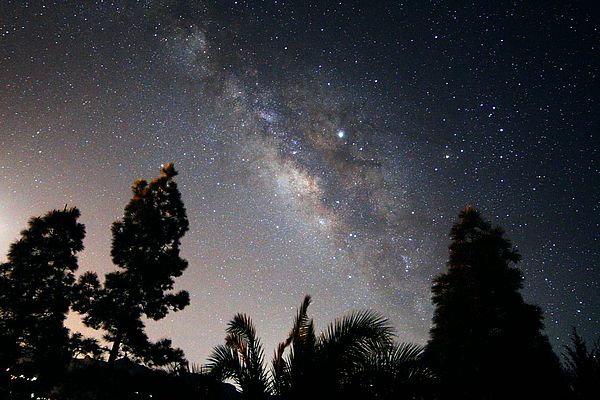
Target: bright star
(341, 133)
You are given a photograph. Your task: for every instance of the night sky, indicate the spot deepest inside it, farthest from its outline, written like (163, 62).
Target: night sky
(323, 147)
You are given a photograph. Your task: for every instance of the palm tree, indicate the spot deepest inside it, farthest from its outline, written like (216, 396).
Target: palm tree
(355, 354)
(392, 372)
(241, 359)
(344, 349)
(295, 372)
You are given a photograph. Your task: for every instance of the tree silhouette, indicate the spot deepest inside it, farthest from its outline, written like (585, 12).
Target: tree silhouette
(81, 346)
(145, 247)
(295, 373)
(486, 342)
(392, 372)
(241, 359)
(354, 356)
(344, 349)
(36, 290)
(583, 368)
(349, 358)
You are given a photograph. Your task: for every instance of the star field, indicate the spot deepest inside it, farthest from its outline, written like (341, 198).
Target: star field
(323, 147)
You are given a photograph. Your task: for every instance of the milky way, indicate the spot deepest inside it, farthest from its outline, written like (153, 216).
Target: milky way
(329, 166)
(323, 149)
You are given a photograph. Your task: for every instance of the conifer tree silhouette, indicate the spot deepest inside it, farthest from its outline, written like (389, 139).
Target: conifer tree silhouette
(36, 290)
(486, 342)
(583, 368)
(145, 247)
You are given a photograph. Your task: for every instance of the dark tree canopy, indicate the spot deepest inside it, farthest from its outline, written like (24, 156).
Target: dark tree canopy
(583, 368)
(36, 290)
(145, 247)
(486, 342)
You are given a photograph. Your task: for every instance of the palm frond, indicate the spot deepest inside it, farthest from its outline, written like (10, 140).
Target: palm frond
(224, 363)
(242, 326)
(345, 347)
(404, 359)
(392, 370)
(356, 331)
(241, 358)
(302, 323)
(280, 370)
(405, 352)
(291, 371)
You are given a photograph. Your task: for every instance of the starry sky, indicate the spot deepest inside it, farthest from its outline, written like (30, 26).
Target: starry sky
(324, 147)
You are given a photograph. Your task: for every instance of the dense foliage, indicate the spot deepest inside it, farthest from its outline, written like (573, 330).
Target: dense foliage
(582, 366)
(482, 325)
(36, 288)
(145, 247)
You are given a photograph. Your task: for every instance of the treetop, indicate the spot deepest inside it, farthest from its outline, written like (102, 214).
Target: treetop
(168, 170)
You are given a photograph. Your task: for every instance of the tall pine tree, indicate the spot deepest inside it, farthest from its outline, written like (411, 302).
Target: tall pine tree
(145, 247)
(36, 290)
(486, 342)
(583, 368)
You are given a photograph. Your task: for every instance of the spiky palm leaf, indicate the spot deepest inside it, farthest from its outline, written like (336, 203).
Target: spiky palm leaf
(224, 363)
(393, 370)
(280, 371)
(352, 337)
(241, 358)
(293, 371)
(402, 362)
